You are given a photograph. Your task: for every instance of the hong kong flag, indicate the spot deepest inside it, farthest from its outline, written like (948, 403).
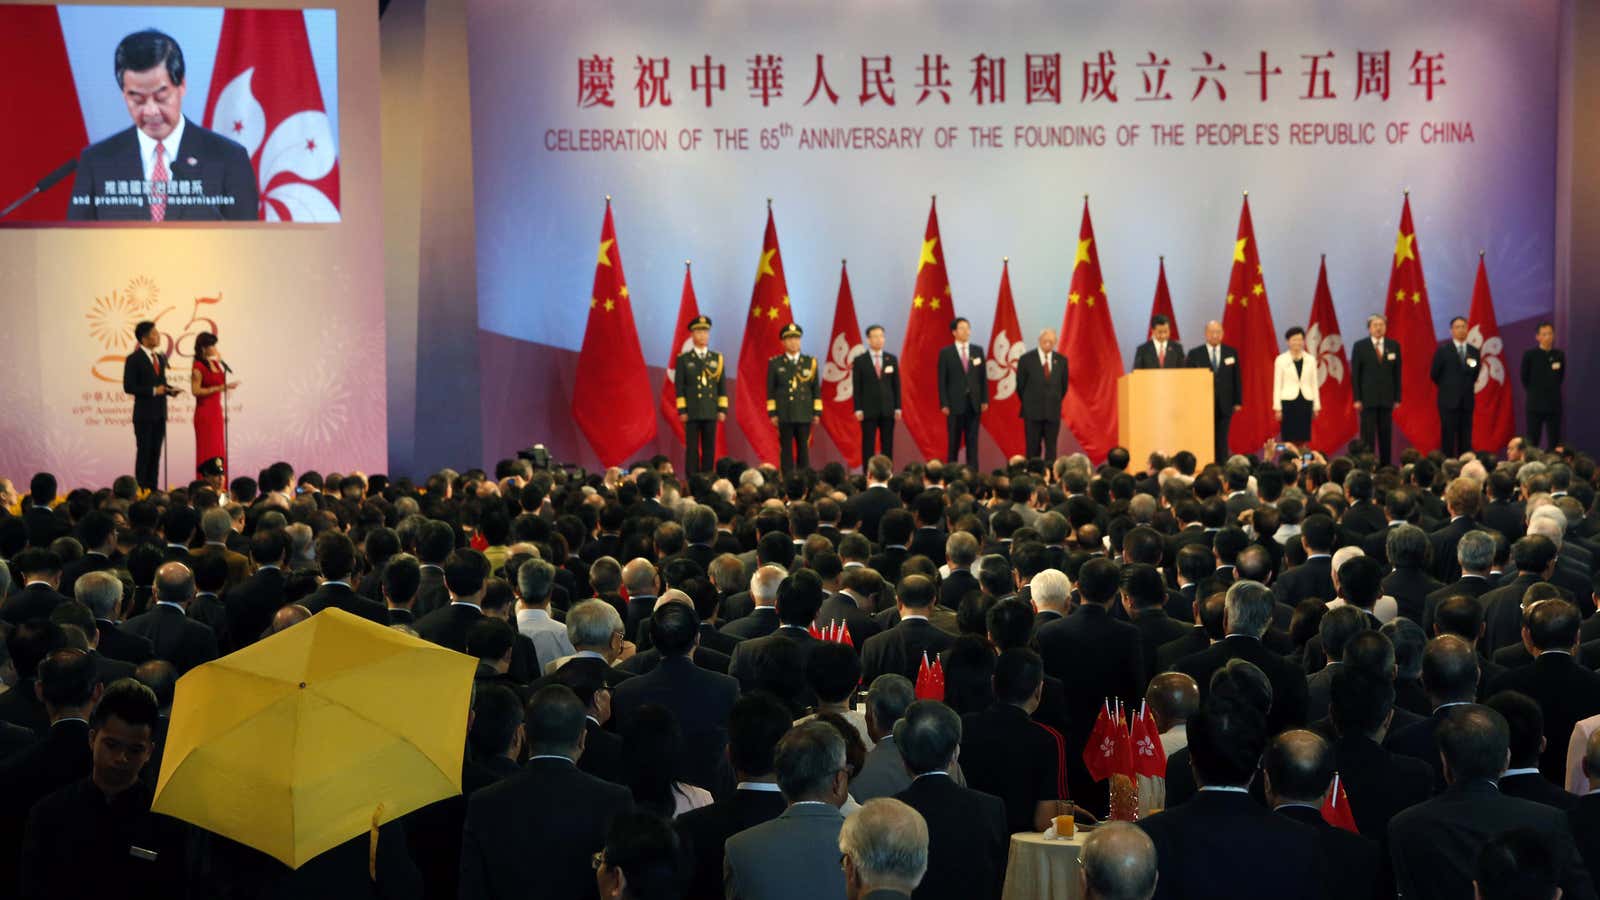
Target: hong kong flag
(927, 331)
(1089, 341)
(1247, 321)
(1337, 423)
(1161, 304)
(838, 398)
(1411, 326)
(769, 312)
(1149, 757)
(1003, 421)
(1101, 752)
(264, 94)
(31, 42)
(1492, 419)
(611, 399)
(688, 310)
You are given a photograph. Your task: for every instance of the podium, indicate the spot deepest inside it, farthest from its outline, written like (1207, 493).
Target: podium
(1164, 411)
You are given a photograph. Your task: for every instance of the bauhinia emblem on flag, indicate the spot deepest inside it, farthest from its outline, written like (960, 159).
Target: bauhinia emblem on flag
(838, 389)
(1337, 423)
(1003, 419)
(1493, 421)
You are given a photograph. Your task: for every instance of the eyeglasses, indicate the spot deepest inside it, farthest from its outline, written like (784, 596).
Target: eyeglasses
(597, 860)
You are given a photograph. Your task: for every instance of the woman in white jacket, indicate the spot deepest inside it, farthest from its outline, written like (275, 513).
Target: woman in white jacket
(1294, 389)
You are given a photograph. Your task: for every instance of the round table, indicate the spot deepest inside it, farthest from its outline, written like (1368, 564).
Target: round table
(1039, 868)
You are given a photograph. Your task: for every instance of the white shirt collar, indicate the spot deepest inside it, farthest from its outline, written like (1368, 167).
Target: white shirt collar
(909, 616)
(792, 357)
(1226, 789)
(1529, 771)
(764, 786)
(171, 604)
(466, 603)
(147, 149)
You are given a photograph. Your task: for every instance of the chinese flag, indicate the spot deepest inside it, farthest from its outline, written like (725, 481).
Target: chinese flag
(1003, 421)
(688, 310)
(265, 95)
(1089, 342)
(838, 398)
(769, 312)
(927, 331)
(1162, 304)
(1149, 757)
(30, 38)
(1337, 423)
(1247, 322)
(611, 400)
(1411, 326)
(930, 680)
(1100, 752)
(1336, 806)
(1492, 422)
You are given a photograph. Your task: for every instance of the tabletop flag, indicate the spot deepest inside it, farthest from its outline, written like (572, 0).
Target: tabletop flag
(1411, 326)
(32, 41)
(1337, 423)
(1089, 342)
(1161, 305)
(688, 311)
(1336, 807)
(1149, 757)
(838, 402)
(1100, 751)
(1247, 324)
(265, 95)
(930, 679)
(1125, 764)
(611, 397)
(927, 331)
(1492, 422)
(1003, 420)
(769, 312)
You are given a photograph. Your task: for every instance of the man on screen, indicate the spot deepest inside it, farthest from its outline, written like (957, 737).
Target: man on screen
(1159, 352)
(165, 167)
(1226, 392)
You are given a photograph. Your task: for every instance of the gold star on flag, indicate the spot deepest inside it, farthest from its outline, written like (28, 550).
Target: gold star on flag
(755, 312)
(623, 292)
(1244, 300)
(1230, 298)
(766, 263)
(603, 258)
(916, 302)
(1089, 299)
(785, 299)
(1258, 290)
(1402, 247)
(772, 312)
(934, 303)
(1399, 295)
(1102, 288)
(947, 290)
(1072, 297)
(1258, 268)
(1416, 297)
(926, 259)
(593, 303)
(1083, 252)
(1238, 249)
(610, 305)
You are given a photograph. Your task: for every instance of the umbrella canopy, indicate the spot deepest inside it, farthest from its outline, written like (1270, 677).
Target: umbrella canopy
(312, 736)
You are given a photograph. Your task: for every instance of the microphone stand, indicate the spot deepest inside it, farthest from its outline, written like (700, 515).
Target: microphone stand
(43, 184)
(226, 371)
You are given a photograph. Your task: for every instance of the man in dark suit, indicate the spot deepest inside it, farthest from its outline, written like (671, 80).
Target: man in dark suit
(702, 398)
(1314, 577)
(435, 541)
(900, 649)
(40, 520)
(39, 573)
(336, 555)
(961, 551)
(794, 399)
(755, 725)
(699, 699)
(1584, 817)
(1249, 615)
(1474, 555)
(754, 660)
(1375, 383)
(193, 173)
(963, 391)
(870, 505)
(1434, 845)
(1450, 677)
(144, 375)
(853, 603)
(875, 392)
(762, 619)
(1409, 583)
(465, 572)
(1041, 386)
(1522, 778)
(1298, 770)
(534, 833)
(1144, 597)
(97, 532)
(1455, 375)
(174, 636)
(1564, 690)
(1008, 755)
(252, 602)
(1535, 559)
(595, 629)
(1543, 369)
(1462, 499)
(1226, 391)
(967, 833)
(1377, 782)
(1159, 352)
(1504, 512)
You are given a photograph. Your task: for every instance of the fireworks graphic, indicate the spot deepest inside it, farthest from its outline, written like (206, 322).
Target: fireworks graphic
(143, 293)
(111, 320)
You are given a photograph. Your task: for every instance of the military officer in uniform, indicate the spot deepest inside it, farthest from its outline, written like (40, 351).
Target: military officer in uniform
(794, 399)
(1543, 368)
(702, 398)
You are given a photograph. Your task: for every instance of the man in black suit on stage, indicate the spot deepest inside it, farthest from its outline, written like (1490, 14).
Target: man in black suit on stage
(1543, 368)
(875, 390)
(1226, 391)
(164, 167)
(1041, 386)
(963, 391)
(144, 375)
(1455, 373)
(794, 399)
(1375, 381)
(1159, 352)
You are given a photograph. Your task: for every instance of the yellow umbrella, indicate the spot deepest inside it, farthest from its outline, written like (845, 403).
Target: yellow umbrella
(310, 737)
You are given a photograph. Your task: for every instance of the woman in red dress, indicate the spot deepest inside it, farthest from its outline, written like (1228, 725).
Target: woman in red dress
(208, 382)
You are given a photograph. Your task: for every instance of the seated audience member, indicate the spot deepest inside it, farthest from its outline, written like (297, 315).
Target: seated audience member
(797, 853)
(883, 849)
(1249, 614)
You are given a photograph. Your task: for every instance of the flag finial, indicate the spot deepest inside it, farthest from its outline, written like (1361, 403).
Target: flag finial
(1480, 254)
(1005, 259)
(1161, 258)
(843, 261)
(1407, 192)
(769, 203)
(608, 199)
(1324, 257)
(1247, 194)
(686, 264)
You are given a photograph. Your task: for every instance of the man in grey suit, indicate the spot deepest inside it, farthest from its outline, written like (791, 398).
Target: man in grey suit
(883, 772)
(796, 854)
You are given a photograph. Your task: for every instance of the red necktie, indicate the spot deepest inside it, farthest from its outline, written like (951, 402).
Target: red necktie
(158, 186)
(1047, 367)
(1161, 359)
(877, 363)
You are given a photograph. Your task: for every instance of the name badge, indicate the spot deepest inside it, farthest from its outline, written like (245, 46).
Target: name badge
(1472, 363)
(1229, 361)
(1391, 356)
(1555, 365)
(888, 369)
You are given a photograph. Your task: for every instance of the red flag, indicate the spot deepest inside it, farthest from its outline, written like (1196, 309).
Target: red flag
(927, 331)
(1161, 305)
(1337, 423)
(1100, 752)
(1411, 326)
(682, 342)
(1089, 341)
(930, 680)
(1247, 322)
(30, 39)
(1149, 757)
(1336, 807)
(769, 312)
(1124, 755)
(1492, 422)
(611, 400)
(264, 94)
(844, 345)
(1003, 421)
